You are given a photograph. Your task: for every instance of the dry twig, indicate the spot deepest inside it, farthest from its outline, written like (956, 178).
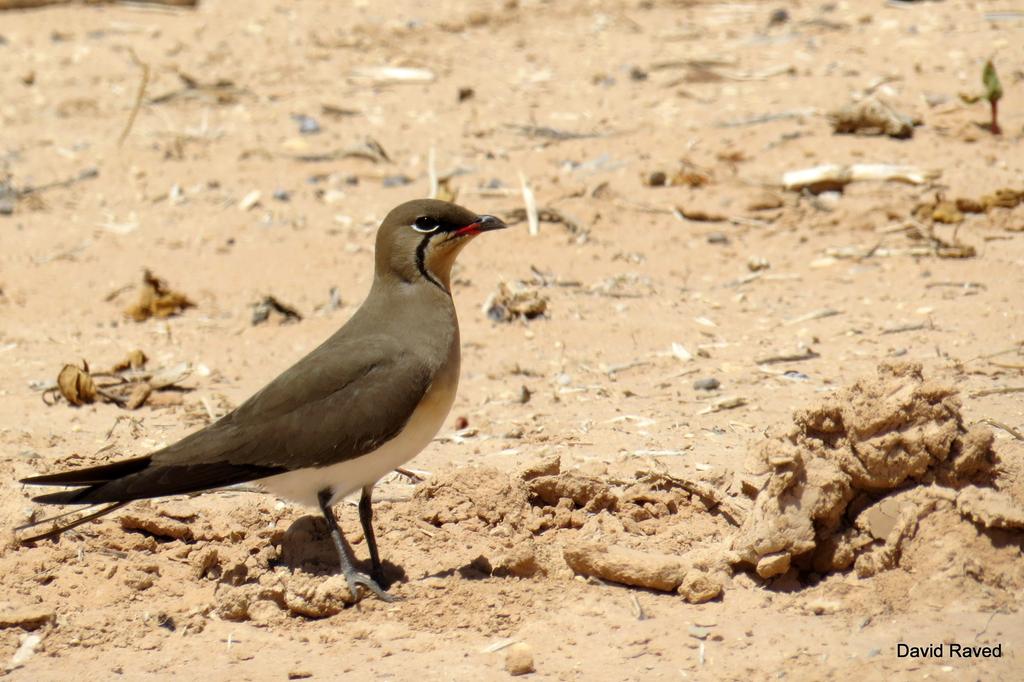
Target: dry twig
(806, 354)
(530, 202)
(143, 82)
(1005, 427)
(998, 391)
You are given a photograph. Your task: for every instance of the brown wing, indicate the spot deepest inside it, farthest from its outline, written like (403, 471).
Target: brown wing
(339, 402)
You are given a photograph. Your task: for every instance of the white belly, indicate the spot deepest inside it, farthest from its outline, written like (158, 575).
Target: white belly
(303, 485)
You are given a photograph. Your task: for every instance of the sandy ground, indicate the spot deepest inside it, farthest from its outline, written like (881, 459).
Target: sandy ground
(587, 100)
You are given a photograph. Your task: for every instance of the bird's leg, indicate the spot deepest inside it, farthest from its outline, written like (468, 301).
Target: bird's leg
(366, 519)
(353, 577)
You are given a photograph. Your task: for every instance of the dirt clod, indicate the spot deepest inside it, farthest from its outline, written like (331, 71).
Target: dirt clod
(155, 524)
(484, 496)
(990, 508)
(316, 598)
(24, 617)
(871, 116)
(881, 433)
(699, 587)
(772, 565)
(519, 659)
(627, 566)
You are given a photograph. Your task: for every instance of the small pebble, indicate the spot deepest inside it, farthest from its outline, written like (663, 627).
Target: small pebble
(706, 384)
(778, 17)
(717, 238)
(396, 180)
(466, 93)
(307, 124)
(335, 298)
(758, 263)
(519, 659)
(637, 74)
(250, 200)
(657, 179)
(826, 201)
(282, 195)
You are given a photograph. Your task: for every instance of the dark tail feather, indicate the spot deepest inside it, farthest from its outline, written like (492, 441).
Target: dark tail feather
(137, 479)
(59, 528)
(92, 475)
(119, 483)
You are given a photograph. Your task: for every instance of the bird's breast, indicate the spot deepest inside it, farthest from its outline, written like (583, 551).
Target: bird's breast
(347, 477)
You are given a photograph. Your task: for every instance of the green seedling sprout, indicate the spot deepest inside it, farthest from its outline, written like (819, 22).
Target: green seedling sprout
(993, 93)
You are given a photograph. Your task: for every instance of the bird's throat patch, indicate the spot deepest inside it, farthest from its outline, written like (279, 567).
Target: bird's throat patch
(421, 263)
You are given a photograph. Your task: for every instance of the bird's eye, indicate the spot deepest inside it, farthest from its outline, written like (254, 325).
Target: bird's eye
(426, 223)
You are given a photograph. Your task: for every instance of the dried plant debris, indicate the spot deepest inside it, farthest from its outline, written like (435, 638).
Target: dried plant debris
(552, 134)
(283, 314)
(157, 299)
(546, 215)
(701, 215)
(135, 359)
(514, 301)
(368, 149)
(626, 285)
(846, 485)
(687, 175)
(872, 116)
(219, 91)
(75, 384)
(31, 195)
(953, 211)
(127, 384)
(936, 245)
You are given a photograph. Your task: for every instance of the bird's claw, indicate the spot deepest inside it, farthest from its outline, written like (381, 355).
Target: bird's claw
(355, 579)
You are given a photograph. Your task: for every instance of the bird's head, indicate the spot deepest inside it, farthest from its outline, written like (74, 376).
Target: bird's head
(419, 240)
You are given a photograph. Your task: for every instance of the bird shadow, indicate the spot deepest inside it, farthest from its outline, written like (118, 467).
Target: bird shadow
(307, 546)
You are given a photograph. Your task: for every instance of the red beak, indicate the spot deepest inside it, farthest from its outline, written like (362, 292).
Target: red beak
(484, 223)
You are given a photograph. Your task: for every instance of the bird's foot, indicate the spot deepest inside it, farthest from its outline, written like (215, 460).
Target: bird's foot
(355, 579)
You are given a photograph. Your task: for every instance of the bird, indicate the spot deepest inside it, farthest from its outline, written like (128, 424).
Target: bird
(361, 404)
